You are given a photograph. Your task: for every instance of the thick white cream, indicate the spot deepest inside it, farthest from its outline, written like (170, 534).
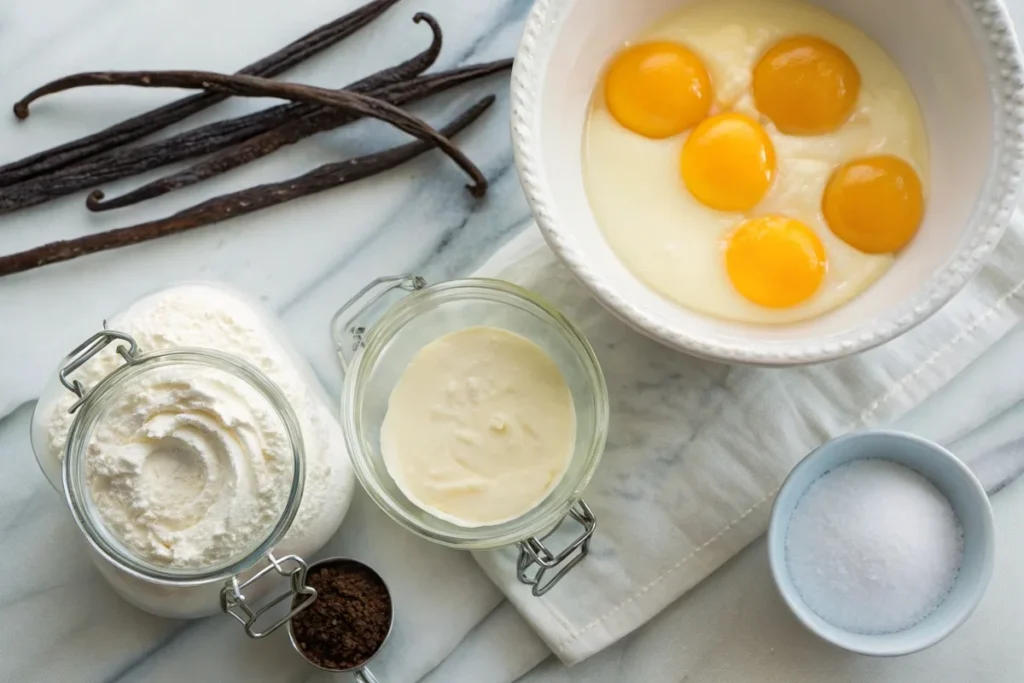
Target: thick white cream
(220, 429)
(480, 427)
(190, 467)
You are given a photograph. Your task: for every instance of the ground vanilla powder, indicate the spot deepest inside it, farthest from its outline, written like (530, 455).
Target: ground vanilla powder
(350, 618)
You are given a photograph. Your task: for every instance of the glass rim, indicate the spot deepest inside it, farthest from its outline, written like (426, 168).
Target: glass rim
(87, 518)
(538, 520)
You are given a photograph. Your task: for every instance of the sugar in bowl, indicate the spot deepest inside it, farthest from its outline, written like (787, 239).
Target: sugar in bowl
(881, 543)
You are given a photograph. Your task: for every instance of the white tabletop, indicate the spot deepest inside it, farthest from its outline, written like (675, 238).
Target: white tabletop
(58, 620)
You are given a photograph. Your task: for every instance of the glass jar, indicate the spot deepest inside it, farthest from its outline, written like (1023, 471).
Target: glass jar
(286, 391)
(193, 590)
(375, 343)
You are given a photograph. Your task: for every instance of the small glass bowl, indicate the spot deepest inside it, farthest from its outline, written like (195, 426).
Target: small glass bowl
(384, 347)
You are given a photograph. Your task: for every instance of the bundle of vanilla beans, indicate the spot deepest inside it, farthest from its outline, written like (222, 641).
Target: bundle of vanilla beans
(110, 154)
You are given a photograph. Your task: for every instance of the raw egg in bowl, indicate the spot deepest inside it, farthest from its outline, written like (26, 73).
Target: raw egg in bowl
(769, 181)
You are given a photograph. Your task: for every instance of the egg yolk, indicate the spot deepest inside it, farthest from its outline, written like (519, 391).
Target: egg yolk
(806, 86)
(728, 162)
(874, 203)
(775, 261)
(657, 89)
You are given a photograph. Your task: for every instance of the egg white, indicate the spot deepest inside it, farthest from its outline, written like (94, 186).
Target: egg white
(674, 243)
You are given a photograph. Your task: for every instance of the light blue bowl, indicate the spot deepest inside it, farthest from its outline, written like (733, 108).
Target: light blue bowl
(952, 478)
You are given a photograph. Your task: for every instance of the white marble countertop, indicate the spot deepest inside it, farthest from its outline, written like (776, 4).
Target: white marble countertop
(58, 620)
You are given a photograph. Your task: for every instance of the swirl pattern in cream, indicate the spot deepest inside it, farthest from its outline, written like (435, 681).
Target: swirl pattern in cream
(190, 467)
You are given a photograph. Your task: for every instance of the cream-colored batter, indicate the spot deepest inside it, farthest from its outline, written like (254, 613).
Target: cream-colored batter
(480, 427)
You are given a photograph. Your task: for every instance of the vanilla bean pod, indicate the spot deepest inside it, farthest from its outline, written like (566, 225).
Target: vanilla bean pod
(262, 145)
(126, 162)
(252, 86)
(237, 203)
(157, 119)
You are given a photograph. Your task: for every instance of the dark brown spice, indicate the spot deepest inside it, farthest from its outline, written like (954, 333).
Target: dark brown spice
(237, 203)
(252, 86)
(410, 67)
(123, 163)
(260, 146)
(349, 620)
(157, 119)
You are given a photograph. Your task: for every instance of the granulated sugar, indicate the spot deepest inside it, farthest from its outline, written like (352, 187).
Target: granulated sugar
(873, 547)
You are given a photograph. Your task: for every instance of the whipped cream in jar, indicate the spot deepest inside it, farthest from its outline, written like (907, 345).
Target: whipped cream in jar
(196, 454)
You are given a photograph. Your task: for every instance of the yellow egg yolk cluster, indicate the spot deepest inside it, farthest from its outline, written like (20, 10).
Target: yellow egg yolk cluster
(805, 86)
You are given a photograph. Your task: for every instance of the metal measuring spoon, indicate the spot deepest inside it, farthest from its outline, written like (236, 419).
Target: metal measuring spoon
(360, 672)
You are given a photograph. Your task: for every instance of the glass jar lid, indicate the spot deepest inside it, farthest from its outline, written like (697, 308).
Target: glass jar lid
(182, 466)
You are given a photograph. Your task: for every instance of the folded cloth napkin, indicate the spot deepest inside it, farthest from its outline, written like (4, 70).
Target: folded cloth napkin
(697, 450)
(734, 627)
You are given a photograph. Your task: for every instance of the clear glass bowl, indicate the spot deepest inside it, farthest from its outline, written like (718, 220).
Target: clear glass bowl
(385, 347)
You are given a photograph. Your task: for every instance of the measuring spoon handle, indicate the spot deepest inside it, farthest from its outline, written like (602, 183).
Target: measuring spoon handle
(364, 676)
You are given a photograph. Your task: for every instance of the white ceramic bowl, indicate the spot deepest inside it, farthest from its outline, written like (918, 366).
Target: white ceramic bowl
(963, 62)
(952, 478)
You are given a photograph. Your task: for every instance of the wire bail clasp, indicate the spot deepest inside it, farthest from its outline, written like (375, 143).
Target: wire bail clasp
(234, 602)
(85, 351)
(348, 328)
(533, 552)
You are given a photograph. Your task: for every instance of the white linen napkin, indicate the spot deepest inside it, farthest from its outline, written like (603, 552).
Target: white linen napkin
(697, 450)
(734, 627)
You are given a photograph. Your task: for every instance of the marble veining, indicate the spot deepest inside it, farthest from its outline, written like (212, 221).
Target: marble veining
(58, 619)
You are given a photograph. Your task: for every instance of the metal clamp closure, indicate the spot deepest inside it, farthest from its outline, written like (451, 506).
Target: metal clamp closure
(234, 602)
(86, 350)
(346, 328)
(533, 552)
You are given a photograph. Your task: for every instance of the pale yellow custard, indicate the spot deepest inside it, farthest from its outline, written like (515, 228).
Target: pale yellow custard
(480, 427)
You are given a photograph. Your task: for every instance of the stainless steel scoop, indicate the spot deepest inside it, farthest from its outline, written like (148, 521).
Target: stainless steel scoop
(360, 672)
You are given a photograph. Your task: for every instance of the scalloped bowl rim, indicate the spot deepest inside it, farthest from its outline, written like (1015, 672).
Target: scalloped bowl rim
(990, 215)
